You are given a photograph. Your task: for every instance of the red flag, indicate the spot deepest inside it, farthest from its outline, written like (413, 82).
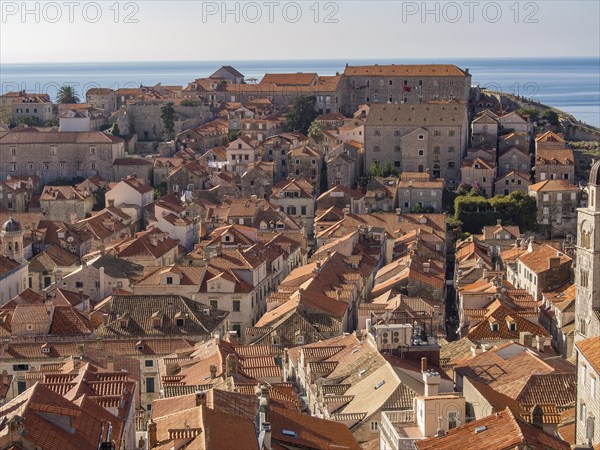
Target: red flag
(406, 88)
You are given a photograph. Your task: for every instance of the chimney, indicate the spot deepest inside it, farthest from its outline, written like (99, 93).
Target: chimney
(267, 436)
(426, 267)
(200, 398)
(432, 383)
(265, 401)
(540, 343)
(110, 363)
(213, 371)
(498, 221)
(152, 434)
(525, 338)
(231, 362)
(554, 262)
(423, 365)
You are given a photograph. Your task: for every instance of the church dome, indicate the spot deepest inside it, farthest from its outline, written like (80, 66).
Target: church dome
(595, 174)
(11, 225)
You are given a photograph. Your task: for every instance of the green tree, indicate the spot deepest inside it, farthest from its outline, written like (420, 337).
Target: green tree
(99, 198)
(315, 132)
(302, 114)
(551, 117)
(66, 94)
(232, 135)
(167, 115)
(115, 130)
(378, 170)
(54, 122)
(533, 113)
(187, 103)
(31, 121)
(160, 190)
(5, 117)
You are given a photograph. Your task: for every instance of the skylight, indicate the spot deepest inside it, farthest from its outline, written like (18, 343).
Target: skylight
(289, 433)
(378, 385)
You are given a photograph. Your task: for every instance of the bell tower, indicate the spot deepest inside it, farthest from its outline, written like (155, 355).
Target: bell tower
(12, 240)
(587, 270)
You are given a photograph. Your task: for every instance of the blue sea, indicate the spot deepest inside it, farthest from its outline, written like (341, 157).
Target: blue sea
(570, 84)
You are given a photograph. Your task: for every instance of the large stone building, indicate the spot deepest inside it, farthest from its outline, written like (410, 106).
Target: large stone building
(418, 137)
(587, 273)
(52, 155)
(412, 84)
(587, 413)
(557, 202)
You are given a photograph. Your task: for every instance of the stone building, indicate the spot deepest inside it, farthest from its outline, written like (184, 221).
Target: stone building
(296, 197)
(306, 162)
(52, 155)
(511, 182)
(395, 84)
(65, 204)
(103, 98)
(187, 177)
(587, 412)
(513, 158)
(276, 149)
(137, 167)
(418, 137)
(419, 190)
(382, 194)
(15, 194)
(587, 272)
(241, 153)
(34, 106)
(258, 180)
(479, 171)
(557, 202)
(13, 266)
(341, 169)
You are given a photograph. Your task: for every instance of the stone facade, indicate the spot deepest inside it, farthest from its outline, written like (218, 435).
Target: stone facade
(410, 84)
(65, 204)
(511, 182)
(53, 155)
(587, 415)
(418, 189)
(557, 202)
(513, 158)
(418, 137)
(587, 272)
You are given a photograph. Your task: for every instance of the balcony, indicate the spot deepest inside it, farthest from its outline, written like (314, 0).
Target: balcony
(399, 430)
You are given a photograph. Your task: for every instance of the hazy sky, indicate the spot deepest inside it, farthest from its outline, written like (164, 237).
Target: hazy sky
(192, 30)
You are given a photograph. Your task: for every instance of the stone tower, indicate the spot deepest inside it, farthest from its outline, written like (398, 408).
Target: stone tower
(587, 270)
(12, 240)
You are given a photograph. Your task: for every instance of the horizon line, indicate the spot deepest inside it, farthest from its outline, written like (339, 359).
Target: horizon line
(311, 59)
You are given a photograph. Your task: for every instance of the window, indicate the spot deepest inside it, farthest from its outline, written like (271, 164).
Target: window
(148, 363)
(397, 133)
(451, 133)
(593, 386)
(92, 150)
(20, 367)
(300, 339)
(437, 133)
(13, 151)
(421, 152)
(169, 280)
(376, 148)
(396, 148)
(303, 210)
(451, 149)
(214, 304)
(79, 284)
(374, 426)
(236, 305)
(21, 386)
(180, 322)
(452, 420)
(421, 137)
(149, 384)
(495, 327)
(376, 133)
